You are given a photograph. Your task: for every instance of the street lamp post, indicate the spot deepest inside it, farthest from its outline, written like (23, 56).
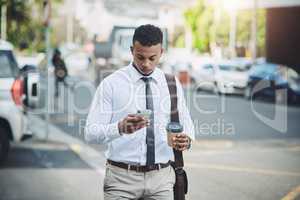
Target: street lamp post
(70, 21)
(253, 31)
(46, 22)
(232, 34)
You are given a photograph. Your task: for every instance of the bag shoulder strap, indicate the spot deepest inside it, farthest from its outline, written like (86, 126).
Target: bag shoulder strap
(174, 115)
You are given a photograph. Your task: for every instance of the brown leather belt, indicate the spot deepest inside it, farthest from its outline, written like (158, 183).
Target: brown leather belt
(139, 168)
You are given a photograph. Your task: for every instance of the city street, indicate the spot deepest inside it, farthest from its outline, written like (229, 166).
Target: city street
(215, 117)
(237, 61)
(253, 162)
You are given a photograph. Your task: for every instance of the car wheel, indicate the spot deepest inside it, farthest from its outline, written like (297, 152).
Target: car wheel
(293, 99)
(4, 144)
(247, 93)
(216, 89)
(193, 81)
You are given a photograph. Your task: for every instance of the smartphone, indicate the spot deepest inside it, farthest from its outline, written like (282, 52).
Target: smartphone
(144, 113)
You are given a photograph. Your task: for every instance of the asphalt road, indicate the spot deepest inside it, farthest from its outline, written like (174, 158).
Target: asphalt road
(214, 117)
(37, 170)
(234, 118)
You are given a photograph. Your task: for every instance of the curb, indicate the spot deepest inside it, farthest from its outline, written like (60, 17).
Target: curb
(93, 158)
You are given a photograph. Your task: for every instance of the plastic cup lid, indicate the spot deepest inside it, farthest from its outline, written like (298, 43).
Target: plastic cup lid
(174, 127)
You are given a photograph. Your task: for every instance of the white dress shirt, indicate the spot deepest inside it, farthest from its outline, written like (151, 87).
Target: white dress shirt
(123, 93)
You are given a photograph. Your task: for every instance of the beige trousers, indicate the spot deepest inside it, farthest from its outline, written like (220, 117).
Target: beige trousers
(126, 184)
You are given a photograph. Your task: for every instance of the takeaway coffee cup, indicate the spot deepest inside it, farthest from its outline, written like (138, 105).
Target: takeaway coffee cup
(173, 129)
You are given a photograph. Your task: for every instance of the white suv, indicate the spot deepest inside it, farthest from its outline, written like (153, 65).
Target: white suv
(13, 89)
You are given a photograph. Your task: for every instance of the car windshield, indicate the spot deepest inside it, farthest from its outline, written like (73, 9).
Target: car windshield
(8, 65)
(233, 67)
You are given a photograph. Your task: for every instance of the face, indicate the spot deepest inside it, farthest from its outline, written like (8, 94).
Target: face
(146, 58)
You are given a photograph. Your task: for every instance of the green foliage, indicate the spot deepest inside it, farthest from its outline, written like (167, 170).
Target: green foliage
(21, 28)
(206, 29)
(179, 43)
(24, 24)
(261, 33)
(199, 19)
(244, 28)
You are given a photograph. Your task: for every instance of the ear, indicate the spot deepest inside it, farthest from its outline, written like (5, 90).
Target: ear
(162, 51)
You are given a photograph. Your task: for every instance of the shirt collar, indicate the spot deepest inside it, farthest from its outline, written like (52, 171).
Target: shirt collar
(135, 75)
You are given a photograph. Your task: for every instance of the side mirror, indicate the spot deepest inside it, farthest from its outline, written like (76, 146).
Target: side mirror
(32, 89)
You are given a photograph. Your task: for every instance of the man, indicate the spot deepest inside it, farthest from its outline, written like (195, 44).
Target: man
(60, 70)
(138, 154)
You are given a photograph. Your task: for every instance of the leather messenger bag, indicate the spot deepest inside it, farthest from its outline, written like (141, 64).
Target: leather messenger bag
(181, 184)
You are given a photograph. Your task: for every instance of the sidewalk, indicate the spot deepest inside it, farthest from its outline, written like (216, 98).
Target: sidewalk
(93, 158)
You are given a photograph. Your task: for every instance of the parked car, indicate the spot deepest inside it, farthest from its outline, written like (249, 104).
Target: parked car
(36, 64)
(203, 74)
(267, 78)
(16, 92)
(33, 60)
(224, 76)
(178, 61)
(231, 76)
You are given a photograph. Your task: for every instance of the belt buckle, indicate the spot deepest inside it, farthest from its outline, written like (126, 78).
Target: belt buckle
(151, 167)
(138, 168)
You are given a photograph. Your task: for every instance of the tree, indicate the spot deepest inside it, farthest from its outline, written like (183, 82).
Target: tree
(206, 29)
(24, 25)
(199, 19)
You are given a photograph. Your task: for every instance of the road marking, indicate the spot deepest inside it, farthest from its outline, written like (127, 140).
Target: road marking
(215, 144)
(40, 145)
(295, 148)
(211, 151)
(225, 144)
(243, 169)
(76, 148)
(292, 195)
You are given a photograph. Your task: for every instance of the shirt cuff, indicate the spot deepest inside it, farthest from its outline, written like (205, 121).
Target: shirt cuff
(113, 132)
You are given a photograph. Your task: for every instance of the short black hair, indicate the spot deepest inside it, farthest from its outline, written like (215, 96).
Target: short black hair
(148, 35)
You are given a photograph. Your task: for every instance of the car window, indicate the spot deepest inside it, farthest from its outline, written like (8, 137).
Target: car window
(264, 69)
(208, 67)
(8, 65)
(233, 67)
(241, 68)
(225, 67)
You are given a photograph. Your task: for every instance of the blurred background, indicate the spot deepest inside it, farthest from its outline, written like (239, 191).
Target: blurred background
(238, 62)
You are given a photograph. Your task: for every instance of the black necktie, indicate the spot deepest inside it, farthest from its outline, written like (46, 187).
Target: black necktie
(150, 129)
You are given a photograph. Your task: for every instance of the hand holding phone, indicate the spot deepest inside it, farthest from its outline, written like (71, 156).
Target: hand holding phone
(132, 123)
(144, 113)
